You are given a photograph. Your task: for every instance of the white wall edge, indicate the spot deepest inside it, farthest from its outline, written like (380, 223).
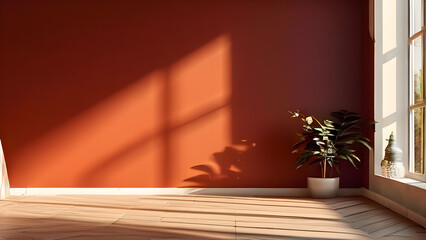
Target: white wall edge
(396, 207)
(4, 179)
(285, 192)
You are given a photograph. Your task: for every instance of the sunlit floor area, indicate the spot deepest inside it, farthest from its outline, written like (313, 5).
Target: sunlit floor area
(200, 217)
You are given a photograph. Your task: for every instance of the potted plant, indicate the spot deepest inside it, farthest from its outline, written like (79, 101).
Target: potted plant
(326, 144)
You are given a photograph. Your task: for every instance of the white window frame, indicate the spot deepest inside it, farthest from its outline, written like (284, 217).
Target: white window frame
(413, 35)
(398, 120)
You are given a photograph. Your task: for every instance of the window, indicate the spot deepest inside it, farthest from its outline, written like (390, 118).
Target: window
(417, 100)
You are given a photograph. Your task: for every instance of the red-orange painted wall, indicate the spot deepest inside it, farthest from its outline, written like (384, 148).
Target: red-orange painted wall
(160, 93)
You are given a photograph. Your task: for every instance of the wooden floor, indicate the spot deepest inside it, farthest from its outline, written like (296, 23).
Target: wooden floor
(200, 217)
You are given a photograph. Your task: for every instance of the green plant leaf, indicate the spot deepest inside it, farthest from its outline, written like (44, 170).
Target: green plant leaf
(328, 123)
(307, 128)
(365, 142)
(354, 156)
(317, 160)
(300, 143)
(319, 129)
(294, 114)
(349, 134)
(341, 132)
(351, 123)
(351, 161)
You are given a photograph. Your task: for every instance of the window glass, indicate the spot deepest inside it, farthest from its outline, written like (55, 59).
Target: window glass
(416, 16)
(417, 68)
(417, 89)
(418, 140)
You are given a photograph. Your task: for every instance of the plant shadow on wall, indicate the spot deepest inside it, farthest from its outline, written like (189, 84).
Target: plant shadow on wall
(226, 168)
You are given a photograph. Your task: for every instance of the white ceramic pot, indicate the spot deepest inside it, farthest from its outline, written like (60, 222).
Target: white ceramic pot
(323, 187)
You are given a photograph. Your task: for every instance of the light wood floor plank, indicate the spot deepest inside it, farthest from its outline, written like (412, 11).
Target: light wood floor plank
(200, 217)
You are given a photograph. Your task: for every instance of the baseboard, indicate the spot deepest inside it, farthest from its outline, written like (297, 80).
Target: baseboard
(396, 207)
(283, 192)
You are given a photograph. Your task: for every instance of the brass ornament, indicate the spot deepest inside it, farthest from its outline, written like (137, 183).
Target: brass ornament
(392, 166)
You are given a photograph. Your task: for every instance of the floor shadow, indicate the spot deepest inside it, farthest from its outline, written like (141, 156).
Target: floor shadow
(56, 228)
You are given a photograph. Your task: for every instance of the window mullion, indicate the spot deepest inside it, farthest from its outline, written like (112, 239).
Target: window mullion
(416, 35)
(417, 105)
(424, 93)
(422, 169)
(424, 143)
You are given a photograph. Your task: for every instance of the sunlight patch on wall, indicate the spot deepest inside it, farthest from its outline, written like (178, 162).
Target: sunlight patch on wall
(101, 134)
(201, 81)
(389, 88)
(200, 92)
(389, 25)
(141, 162)
(195, 143)
(148, 134)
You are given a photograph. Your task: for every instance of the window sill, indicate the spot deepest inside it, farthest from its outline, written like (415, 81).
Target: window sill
(408, 181)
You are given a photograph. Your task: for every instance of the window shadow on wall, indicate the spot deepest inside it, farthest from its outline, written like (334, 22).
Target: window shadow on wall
(135, 94)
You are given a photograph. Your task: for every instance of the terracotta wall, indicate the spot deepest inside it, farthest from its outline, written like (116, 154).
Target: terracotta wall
(161, 93)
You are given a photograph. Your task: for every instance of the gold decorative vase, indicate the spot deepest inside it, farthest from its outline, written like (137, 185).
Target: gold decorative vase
(392, 166)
